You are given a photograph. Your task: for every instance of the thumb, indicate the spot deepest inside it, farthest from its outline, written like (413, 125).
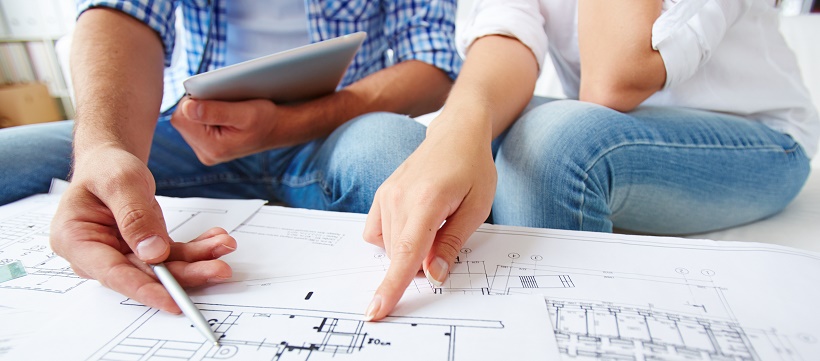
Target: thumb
(215, 112)
(139, 219)
(192, 109)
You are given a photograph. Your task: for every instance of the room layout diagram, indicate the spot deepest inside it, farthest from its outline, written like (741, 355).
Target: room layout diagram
(602, 331)
(604, 296)
(269, 333)
(280, 325)
(24, 241)
(24, 237)
(658, 299)
(699, 325)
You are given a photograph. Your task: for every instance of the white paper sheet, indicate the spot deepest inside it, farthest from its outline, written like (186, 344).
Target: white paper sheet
(50, 282)
(259, 324)
(609, 295)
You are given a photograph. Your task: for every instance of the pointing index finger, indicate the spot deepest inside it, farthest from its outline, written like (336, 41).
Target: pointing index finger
(407, 254)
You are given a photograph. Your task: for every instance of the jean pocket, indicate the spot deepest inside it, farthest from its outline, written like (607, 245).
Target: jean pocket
(349, 11)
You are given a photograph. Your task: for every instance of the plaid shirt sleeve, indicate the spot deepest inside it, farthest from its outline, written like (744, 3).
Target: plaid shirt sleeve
(424, 31)
(157, 14)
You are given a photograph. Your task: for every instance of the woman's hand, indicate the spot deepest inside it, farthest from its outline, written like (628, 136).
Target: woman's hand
(424, 213)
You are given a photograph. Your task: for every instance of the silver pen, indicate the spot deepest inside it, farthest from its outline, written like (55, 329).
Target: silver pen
(184, 302)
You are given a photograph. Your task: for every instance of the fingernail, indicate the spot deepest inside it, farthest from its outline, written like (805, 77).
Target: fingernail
(222, 250)
(218, 280)
(436, 272)
(151, 247)
(373, 309)
(196, 112)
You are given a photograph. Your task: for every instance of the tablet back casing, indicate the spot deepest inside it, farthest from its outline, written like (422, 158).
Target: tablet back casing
(290, 76)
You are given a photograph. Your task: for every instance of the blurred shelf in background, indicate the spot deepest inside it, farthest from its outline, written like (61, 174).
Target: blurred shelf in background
(29, 32)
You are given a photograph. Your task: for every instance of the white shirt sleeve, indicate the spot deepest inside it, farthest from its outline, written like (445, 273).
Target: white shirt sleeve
(520, 19)
(687, 32)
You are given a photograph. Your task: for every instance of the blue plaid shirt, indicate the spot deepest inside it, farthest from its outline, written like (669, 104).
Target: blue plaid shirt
(412, 29)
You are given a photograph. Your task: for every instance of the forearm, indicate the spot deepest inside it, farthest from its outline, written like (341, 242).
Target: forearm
(496, 83)
(619, 68)
(412, 87)
(117, 69)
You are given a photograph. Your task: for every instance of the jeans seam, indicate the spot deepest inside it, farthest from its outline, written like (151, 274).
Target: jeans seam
(205, 180)
(315, 178)
(792, 149)
(623, 145)
(795, 148)
(583, 200)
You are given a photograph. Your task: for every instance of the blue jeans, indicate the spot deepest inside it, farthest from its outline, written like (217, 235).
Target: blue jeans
(338, 173)
(568, 164)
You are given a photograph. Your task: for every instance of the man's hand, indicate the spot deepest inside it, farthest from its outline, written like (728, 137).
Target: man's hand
(109, 225)
(451, 178)
(222, 131)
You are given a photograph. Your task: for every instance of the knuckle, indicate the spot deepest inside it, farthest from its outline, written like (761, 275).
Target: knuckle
(395, 194)
(427, 195)
(404, 249)
(212, 112)
(254, 111)
(207, 110)
(449, 245)
(134, 219)
(372, 236)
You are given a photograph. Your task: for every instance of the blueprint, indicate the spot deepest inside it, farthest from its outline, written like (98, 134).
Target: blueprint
(95, 323)
(303, 278)
(48, 279)
(259, 324)
(610, 297)
(24, 238)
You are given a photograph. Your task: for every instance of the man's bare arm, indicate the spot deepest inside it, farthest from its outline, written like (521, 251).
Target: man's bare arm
(222, 131)
(109, 224)
(117, 68)
(413, 88)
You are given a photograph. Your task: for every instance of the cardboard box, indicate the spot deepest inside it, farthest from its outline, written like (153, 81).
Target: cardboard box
(27, 104)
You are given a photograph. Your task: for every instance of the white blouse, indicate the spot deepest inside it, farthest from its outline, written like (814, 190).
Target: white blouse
(720, 55)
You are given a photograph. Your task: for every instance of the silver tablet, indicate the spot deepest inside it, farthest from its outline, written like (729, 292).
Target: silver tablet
(293, 75)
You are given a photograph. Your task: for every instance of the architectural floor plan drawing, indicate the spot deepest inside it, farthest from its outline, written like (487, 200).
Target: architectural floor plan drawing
(187, 218)
(680, 308)
(594, 331)
(303, 278)
(611, 296)
(40, 279)
(24, 230)
(296, 334)
(262, 325)
(24, 236)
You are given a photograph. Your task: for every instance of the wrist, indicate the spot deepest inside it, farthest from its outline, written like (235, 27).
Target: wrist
(92, 135)
(469, 124)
